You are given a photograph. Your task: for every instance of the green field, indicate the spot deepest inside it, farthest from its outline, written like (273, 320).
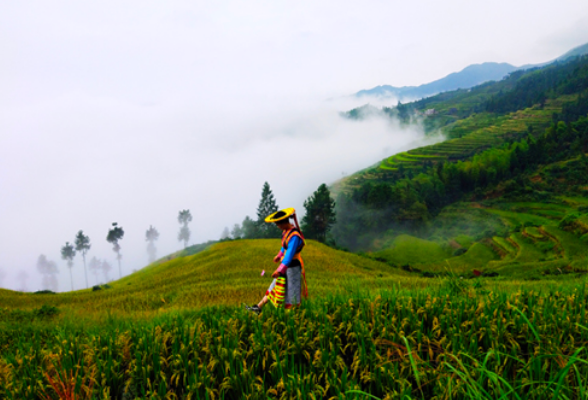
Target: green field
(409, 250)
(473, 134)
(176, 330)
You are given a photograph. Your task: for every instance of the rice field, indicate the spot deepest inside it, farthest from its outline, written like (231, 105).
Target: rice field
(473, 134)
(176, 330)
(453, 341)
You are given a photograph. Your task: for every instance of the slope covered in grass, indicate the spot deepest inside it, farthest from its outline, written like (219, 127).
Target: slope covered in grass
(410, 250)
(226, 273)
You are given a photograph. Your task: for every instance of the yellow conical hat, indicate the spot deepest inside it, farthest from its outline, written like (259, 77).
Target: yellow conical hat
(280, 215)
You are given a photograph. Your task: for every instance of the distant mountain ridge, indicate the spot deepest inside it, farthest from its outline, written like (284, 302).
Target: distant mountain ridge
(468, 77)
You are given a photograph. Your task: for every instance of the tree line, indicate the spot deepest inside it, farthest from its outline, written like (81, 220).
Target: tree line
(82, 244)
(316, 223)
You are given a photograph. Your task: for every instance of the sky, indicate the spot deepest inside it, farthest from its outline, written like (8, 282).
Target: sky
(131, 111)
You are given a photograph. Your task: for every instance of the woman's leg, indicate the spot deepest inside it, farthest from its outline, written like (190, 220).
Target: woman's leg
(263, 302)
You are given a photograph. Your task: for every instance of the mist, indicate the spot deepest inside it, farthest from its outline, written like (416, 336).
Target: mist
(88, 162)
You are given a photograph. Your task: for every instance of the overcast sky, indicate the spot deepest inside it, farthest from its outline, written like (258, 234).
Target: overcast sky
(129, 111)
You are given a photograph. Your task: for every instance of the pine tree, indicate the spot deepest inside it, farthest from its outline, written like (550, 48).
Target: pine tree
(320, 214)
(151, 235)
(95, 266)
(267, 206)
(82, 243)
(250, 228)
(184, 218)
(236, 232)
(68, 253)
(48, 269)
(114, 235)
(225, 234)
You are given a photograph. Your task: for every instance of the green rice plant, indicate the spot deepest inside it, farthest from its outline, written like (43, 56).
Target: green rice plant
(362, 337)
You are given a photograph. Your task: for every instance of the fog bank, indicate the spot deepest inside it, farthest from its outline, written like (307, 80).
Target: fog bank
(87, 162)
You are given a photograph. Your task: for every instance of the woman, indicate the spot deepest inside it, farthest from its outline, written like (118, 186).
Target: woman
(285, 290)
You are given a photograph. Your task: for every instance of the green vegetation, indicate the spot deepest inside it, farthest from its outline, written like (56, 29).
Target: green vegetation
(471, 282)
(409, 250)
(460, 339)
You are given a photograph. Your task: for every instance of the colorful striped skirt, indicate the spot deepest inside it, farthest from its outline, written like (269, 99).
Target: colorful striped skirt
(277, 291)
(285, 290)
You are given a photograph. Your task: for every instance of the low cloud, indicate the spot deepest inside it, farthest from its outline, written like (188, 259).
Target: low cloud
(85, 162)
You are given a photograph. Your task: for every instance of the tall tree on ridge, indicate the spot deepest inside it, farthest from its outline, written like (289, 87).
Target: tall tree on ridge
(22, 277)
(320, 214)
(151, 235)
(48, 269)
(68, 253)
(82, 243)
(106, 267)
(184, 218)
(267, 206)
(250, 229)
(95, 266)
(225, 234)
(114, 235)
(236, 232)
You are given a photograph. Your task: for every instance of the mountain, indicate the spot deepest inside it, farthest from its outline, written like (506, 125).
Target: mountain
(470, 76)
(575, 52)
(508, 178)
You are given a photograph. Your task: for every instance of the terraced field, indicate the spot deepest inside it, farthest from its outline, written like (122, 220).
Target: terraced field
(529, 243)
(475, 134)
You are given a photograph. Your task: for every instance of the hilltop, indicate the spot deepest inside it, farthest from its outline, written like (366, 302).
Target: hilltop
(225, 273)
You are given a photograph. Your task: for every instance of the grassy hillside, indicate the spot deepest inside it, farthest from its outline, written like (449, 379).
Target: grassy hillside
(176, 330)
(226, 273)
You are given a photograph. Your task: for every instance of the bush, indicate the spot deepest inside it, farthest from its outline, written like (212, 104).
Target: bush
(46, 311)
(459, 252)
(568, 220)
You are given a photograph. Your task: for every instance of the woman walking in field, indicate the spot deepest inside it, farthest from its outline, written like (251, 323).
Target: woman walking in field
(286, 288)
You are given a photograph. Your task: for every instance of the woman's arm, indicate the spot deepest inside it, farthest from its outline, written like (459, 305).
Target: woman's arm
(293, 245)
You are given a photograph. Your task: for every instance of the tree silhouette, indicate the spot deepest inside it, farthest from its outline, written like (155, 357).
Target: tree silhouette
(48, 269)
(82, 246)
(250, 228)
(236, 232)
(320, 214)
(184, 218)
(22, 277)
(151, 235)
(267, 205)
(106, 267)
(95, 266)
(68, 253)
(225, 234)
(114, 235)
